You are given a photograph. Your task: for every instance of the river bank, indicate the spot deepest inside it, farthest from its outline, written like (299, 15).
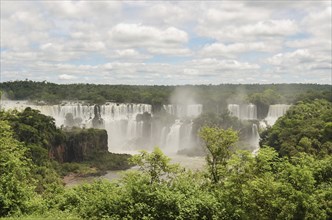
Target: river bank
(191, 163)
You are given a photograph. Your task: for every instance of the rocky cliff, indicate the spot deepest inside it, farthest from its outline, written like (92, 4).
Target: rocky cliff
(80, 145)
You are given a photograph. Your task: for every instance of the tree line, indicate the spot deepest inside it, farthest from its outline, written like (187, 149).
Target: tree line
(209, 95)
(289, 178)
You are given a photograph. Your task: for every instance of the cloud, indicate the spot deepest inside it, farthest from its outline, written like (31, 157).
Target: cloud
(167, 13)
(231, 50)
(318, 23)
(138, 35)
(231, 12)
(66, 77)
(218, 65)
(302, 63)
(162, 42)
(170, 51)
(259, 30)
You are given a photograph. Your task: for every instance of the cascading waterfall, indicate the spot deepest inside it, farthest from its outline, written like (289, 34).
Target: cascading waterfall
(182, 111)
(129, 126)
(276, 111)
(118, 119)
(163, 136)
(125, 131)
(173, 138)
(251, 112)
(194, 110)
(247, 112)
(180, 135)
(255, 138)
(234, 110)
(244, 111)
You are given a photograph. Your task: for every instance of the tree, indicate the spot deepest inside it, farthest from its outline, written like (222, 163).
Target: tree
(155, 164)
(264, 100)
(37, 135)
(16, 185)
(217, 142)
(306, 127)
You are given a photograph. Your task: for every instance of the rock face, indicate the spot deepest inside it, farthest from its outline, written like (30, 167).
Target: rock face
(80, 145)
(97, 121)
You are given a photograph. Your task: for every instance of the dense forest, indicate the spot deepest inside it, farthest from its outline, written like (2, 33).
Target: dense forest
(289, 178)
(209, 95)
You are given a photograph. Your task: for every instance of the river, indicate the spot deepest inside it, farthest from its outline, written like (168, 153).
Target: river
(190, 163)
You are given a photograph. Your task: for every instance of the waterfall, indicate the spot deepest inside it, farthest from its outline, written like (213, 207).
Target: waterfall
(129, 129)
(163, 137)
(126, 125)
(182, 111)
(251, 112)
(172, 144)
(118, 119)
(194, 110)
(187, 140)
(179, 137)
(255, 138)
(276, 111)
(243, 112)
(234, 110)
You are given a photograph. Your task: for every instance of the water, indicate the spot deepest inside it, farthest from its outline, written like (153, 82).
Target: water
(189, 163)
(244, 111)
(128, 132)
(173, 138)
(275, 112)
(183, 111)
(128, 125)
(255, 139)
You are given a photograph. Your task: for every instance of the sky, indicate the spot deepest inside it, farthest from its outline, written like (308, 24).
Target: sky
(166, 42)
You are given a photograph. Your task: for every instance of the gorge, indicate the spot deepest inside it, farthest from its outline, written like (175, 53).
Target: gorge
(131, 127)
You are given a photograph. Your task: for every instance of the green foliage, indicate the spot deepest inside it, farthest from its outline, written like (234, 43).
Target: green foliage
(32, 127)
(265, 186)
(269, 187)
(38, 135)
(16, 184)
(224, 120)
(155, 164)
(264, 100)
(50, 215)
(135, 197)
(89, 147)
(306, 127)
(253, 187)
(213, 97)
(97, 163)
(217, 142)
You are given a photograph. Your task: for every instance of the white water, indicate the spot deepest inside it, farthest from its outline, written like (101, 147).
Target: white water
(255, 138)
(125, 133)
(275, 112)
(172, 144)
(119, 119)
(182, 111)
(244, 111)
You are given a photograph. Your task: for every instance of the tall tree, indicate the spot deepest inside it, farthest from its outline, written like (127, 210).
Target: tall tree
(218, 143)
(16, 185)
(155, 164)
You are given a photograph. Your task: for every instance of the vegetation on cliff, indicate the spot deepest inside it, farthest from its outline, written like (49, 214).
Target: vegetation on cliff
(51, 149)
(235, 184)
(306, 127)
(213, 97)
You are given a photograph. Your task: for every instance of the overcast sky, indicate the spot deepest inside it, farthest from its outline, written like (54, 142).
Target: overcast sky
(185, 42)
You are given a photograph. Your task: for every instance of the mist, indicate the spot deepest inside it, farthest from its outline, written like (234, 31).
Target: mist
(135, 126)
